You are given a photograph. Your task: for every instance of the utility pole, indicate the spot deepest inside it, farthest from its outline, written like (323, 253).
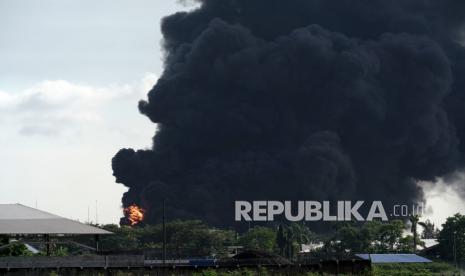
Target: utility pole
(455, 249)
(96, 213)
(164, 231)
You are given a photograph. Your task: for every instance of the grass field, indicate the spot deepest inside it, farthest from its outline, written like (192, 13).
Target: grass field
(435, 268)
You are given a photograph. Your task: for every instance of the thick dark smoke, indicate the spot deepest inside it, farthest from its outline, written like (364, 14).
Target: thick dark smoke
(301, 100)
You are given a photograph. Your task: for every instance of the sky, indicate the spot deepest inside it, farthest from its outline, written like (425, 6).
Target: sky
(71, 74)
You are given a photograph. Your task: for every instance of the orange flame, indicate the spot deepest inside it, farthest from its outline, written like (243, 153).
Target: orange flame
(134, 213)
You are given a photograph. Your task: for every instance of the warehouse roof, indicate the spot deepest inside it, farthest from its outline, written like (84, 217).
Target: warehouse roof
(20, 219)
(393, 258)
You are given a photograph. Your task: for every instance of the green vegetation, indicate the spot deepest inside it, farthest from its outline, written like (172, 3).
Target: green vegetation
(429, 230)
(377, 270)
(436, 268)
(452, 239)
(15, 249)
(259, 238)
(196, 239)
(370, 237)
(239, 272)
(289, 238)
(260, 272)
(182, 237)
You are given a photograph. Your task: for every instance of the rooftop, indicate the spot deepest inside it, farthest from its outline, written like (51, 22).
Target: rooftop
(393, 258)
(19, 219)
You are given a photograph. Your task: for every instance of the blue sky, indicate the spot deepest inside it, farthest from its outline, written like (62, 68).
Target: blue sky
(71, 74)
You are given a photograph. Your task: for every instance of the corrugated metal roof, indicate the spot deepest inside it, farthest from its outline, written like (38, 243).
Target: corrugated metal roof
(20, 219)
(429, 242)
(393, 258)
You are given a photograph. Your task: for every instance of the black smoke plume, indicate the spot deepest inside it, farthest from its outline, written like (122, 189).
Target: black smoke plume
(301, 100)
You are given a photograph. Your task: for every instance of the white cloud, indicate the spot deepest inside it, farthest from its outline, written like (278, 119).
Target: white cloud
(58, 138)
(148, 81)
(5, 99)
(55, 107)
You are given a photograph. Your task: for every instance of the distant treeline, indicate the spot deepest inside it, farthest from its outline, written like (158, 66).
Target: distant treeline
(194, 238)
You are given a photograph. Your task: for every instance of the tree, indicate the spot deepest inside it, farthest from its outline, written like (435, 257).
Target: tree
(184, 238)
(4, 240)
(290, 243)
(281, 240)
(370, 237)
(357, 238)
(414, 219)
(199, 238)
(405, 244)
(289, 238)
(124, 238)
(259, 238)
(13, 249)
(452, 239)
(390, 234)
(348, 238)
(429, 230)
(301, 233)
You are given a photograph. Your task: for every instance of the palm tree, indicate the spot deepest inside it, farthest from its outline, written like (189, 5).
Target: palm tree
(429, 231)
(414, 220)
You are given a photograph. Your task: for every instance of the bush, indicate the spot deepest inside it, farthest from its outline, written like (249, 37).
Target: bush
(15, 249)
